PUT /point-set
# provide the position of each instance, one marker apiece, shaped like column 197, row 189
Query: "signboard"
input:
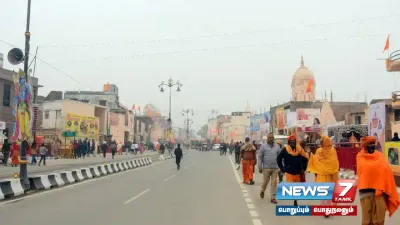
column 392, row 150
column 308, row 120
column 280, row 118
column 83, row 126
column 69, row 134
column 2, row 125
column 376, row 123
column 291, row 119
column 255, row 122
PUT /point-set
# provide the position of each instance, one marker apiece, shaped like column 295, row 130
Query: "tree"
column 203, row 131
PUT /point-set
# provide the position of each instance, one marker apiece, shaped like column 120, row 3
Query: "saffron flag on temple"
column 310, row 86
column 387, row 44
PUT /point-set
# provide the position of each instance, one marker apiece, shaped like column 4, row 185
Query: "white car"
column 216, row 146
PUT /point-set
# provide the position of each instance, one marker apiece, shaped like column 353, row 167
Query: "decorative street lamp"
column 188, row 121
column 170, row 83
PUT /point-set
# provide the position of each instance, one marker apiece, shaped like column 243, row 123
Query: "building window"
column 357, row 120
column 6, row 95
column 46, row 114
column 397, row 115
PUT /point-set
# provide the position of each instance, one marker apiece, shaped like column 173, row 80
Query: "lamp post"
column 188, row 120
column 170, row 83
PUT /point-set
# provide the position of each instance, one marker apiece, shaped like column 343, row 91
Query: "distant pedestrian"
column 237, row 155
column 104, row 149
column 268, row 166
column 15, row 154
column 34, row 152
column 178, row 156
column 113, row 148
column 6, row 151
column 396, row 137
column 249, row 160
column 42, row 151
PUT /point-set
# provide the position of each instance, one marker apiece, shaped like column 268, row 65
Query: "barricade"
column 10, row 188
column 40, row 182
column 77, row 175
column 86, row 173
column 67, row 177
column 56, row 180
column 94, row 171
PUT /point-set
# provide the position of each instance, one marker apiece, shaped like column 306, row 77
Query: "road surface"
column 205, row 191
column 56, row 165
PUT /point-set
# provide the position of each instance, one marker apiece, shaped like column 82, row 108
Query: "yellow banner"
column 83, row 126
column 280, row 118
column 392, row 155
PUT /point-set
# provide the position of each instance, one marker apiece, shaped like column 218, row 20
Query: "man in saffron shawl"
column 292, row 161
column 377, row 188
column 249, row 160
column 325, row 164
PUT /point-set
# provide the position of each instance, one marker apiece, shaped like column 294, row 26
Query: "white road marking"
column 137, row 196
column 236, row 174
column 250, row 206
column 76, row 184
column 254, row 213
column 257, row 222
column 169, row 177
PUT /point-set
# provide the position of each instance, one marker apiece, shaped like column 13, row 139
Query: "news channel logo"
column 343, row 191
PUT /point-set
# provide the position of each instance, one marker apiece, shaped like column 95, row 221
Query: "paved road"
column 53, row 165
column 205, row 191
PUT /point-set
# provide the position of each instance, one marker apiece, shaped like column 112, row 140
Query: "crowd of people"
column 377, row 188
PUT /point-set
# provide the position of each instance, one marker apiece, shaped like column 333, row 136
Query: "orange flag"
column 310, row 86
column 387, row 44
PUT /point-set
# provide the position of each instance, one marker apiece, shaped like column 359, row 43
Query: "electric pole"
column 187, row 112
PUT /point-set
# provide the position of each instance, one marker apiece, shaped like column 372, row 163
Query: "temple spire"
column 302, row 61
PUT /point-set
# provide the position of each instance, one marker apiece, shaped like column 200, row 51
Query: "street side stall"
column 347, row 141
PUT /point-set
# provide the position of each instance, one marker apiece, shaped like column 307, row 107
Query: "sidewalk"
column 57, row 165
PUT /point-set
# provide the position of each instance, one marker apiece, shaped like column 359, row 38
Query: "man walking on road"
column 178, row 156
column 268, row 166
column 237, row 155
column 104, row 149
column 249, row 160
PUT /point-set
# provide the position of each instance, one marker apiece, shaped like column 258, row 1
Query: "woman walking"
column 33, row 152
column 15, row 154
column 42, row 151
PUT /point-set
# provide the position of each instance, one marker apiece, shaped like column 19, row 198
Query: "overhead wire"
column 214, row 49
column 254, row 32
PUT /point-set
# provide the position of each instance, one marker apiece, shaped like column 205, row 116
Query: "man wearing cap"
column 249, row 160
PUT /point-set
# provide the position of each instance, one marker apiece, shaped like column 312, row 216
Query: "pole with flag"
column 387, row 45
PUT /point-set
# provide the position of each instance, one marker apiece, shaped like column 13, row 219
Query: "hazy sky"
column 224, row 52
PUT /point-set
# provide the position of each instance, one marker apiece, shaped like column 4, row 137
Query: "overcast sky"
column 224, row 52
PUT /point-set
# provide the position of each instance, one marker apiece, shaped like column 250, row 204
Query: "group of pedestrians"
column 12, row 150
column 377, row 188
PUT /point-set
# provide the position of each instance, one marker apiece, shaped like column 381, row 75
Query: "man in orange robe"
column 249, row 160
column 376, row 185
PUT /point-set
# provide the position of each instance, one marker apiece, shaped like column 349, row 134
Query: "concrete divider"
column 40, row 182
column 56, row 180
column 67, row 177
column 11, row 188
column 77, row 175
column 95, row 171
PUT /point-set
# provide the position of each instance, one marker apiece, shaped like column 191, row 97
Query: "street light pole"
column 170, row 83
column 187, row 112
column 23, row 168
